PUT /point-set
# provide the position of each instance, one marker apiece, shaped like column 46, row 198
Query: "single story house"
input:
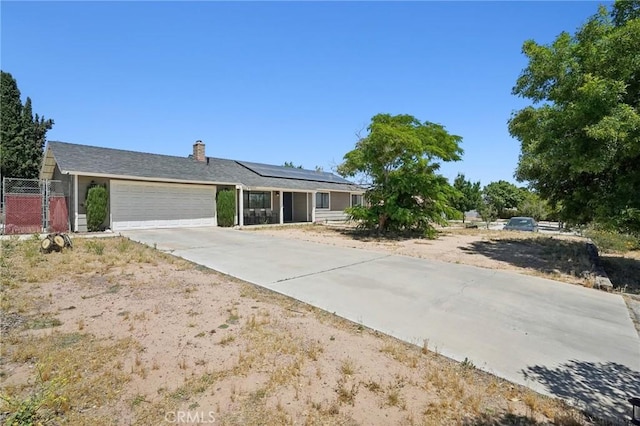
column 155, row 191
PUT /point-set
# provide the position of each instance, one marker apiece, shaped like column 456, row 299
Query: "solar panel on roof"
column 267, row 170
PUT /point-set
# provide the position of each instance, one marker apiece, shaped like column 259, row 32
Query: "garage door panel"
column 139, row 205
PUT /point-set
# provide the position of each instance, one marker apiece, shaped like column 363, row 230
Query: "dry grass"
column 547, row 256
column 275, row 361
column 76, row 377
column 559, row 257
column 623, row 270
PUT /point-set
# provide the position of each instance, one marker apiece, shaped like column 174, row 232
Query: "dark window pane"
column 257, row 200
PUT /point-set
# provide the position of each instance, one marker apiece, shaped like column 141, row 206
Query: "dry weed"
column 59, row 359
column 267, row 343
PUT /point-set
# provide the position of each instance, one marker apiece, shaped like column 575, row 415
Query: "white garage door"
column 140, row 205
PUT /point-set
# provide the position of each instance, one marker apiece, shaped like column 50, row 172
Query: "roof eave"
column 48, row 166
column 145, row 178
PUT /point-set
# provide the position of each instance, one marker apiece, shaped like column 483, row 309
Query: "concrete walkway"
column 559, row 339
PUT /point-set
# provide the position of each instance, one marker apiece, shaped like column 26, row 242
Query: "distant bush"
column 612, row 241
column 535, row 207
column 226, row 208
column 96, row 204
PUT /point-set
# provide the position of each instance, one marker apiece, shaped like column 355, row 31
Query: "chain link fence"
column 56, row 207
column 33, row 205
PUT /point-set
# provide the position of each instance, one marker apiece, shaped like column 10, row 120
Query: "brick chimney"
column 198, row 151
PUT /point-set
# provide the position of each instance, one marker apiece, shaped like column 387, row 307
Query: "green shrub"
column 226, row 208
column 607, row 240
column 97, row 201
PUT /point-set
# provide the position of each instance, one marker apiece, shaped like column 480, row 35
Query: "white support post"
column 75, row 203
column 241, row 207
column 313, row 207
column 280, row 215
column 215, row 206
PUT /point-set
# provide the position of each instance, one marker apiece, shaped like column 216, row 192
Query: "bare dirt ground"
column 113, row 332
column 559, row 257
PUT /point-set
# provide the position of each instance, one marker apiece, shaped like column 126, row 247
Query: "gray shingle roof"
column 96, row 160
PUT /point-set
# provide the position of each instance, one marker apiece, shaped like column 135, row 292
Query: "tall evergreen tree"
column 22, row 136
column 10, row 122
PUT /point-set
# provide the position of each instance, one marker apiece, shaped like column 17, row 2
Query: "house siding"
column 323, row 215
column 338, row 201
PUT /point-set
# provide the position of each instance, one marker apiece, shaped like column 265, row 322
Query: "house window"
column 257, row 200
column 322, row 200
column 356, row 199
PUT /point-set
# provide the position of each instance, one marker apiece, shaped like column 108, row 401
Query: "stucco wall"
column 339, row 201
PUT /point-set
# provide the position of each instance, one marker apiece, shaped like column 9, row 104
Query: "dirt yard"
column 113, row 332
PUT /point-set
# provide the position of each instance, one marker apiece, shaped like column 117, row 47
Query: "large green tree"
column 398, row 160
column 503, row 195
column 580, row 140
column 22, row 134
column 534, row 206
column 469, row 196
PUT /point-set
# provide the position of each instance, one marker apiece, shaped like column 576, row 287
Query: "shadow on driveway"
column 590, row 384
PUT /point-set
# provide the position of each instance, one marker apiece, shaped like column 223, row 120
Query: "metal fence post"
column 45, row 205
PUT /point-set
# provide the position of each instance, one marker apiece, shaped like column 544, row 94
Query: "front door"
column 287, row 206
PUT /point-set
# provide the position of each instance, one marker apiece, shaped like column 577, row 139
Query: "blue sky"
column 278, row 81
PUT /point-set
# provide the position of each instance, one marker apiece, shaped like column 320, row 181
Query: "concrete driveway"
column 564, row 340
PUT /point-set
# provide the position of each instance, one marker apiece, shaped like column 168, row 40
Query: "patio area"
column 260, row 217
